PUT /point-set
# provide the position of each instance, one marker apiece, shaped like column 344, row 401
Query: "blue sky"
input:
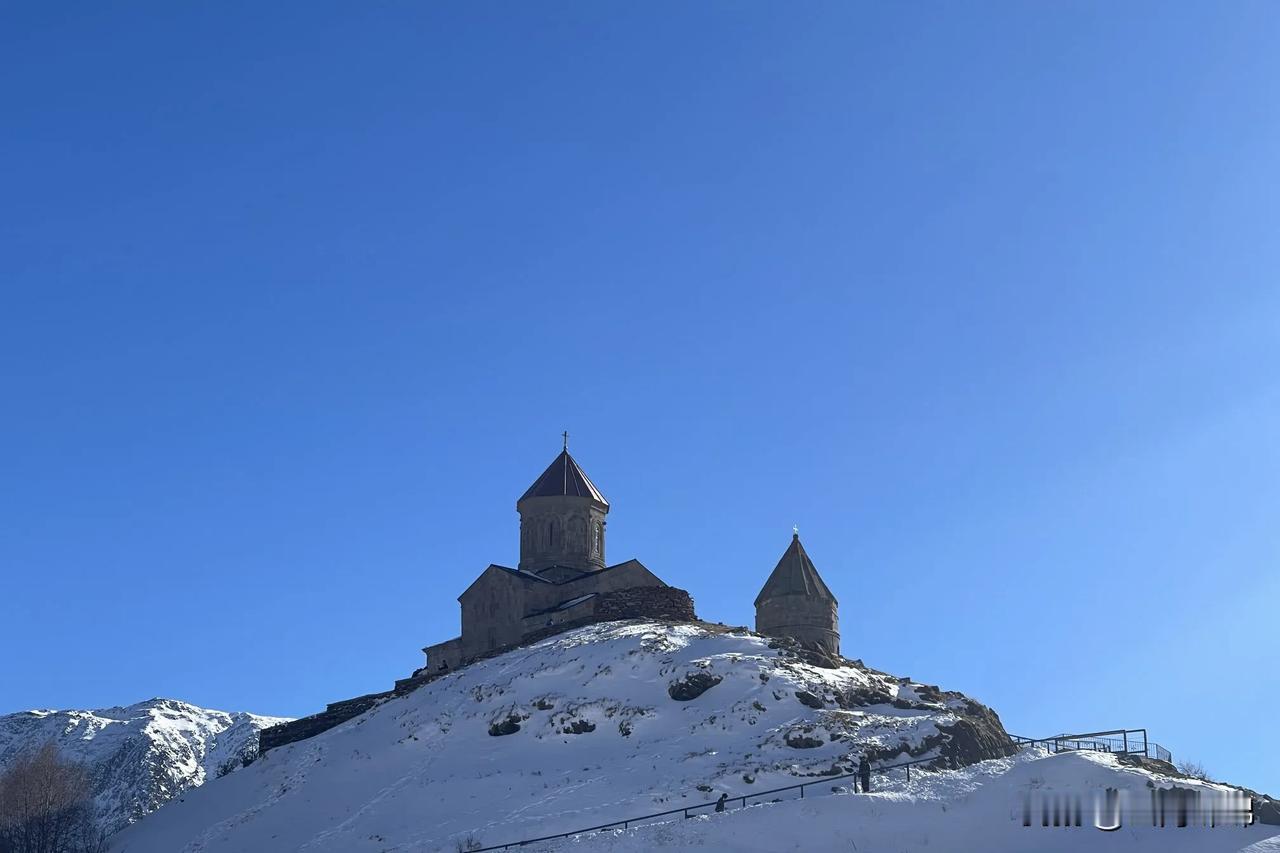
column 297, row 299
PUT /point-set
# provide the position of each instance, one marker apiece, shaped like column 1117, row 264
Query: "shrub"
column 1194, row 769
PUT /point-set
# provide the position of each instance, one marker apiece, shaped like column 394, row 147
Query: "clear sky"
column 297, row 299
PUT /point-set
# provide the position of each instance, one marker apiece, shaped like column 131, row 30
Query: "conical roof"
column 564, row 477
column 795, row 575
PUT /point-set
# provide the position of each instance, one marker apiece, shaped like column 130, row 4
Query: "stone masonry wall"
column 645, row 602
column 301, row 729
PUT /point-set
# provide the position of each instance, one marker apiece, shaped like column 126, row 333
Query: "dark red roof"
column 564, row 477
column 795, row 574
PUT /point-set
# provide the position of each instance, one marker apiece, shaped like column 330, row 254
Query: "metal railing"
column 1122, row 741
column 692, row 811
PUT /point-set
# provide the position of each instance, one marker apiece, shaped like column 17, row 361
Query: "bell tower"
column 562, row 519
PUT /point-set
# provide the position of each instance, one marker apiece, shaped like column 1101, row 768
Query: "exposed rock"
column 975, row 738
column 803, row 741
column 507, row 726
column 812, row 701
column 862, row 697
column 692, row 686
column 1265, row 809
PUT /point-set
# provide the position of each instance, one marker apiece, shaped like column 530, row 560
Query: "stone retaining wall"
column 335, row 714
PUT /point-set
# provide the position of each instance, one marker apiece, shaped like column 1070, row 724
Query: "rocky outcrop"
column 1266, row 809
column 692, row 686
column 508, row 725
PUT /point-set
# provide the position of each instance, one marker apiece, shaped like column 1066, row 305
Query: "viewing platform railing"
column 1122, row 741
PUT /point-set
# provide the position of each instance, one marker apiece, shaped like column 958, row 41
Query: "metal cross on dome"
column 565, row 434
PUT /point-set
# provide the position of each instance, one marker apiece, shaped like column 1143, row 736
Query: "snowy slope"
column 591, row 730
column 977, row 808
column 586, row 728
column 142, row 755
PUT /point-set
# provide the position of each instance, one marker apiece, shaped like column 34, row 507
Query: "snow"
column 600, row 739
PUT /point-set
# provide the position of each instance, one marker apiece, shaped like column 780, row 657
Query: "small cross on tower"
column 565, row 434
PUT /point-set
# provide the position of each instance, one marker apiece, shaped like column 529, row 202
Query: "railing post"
column 908, row 772
column 1125, row 735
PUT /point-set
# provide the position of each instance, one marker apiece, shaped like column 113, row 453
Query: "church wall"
column 492, row 609
column 448, row 653
column 560, row 574
column 495, row 608
column 623, row 576
column 577, row 614
column 626, row 575
column 643, row 602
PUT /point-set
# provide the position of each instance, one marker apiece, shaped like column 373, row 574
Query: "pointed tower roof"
column 795, row 574
column 564, row 477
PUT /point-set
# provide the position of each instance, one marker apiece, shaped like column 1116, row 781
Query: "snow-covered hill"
column 140, row 756
column 606, row 722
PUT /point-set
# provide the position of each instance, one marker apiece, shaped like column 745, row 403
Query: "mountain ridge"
column 138, row 756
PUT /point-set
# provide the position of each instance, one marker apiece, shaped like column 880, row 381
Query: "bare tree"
column 45, row 806
column 1194, row 769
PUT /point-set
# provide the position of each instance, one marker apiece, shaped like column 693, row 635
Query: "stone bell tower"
column 796, row 603
column 562, row 520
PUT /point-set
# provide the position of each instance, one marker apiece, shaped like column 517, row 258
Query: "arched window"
column 551, row 534
column 598, row 546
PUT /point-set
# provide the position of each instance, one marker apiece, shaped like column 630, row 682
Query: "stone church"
column 564, row 580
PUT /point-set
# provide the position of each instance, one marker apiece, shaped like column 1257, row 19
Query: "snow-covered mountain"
column 623, row 719
column 140, row 756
